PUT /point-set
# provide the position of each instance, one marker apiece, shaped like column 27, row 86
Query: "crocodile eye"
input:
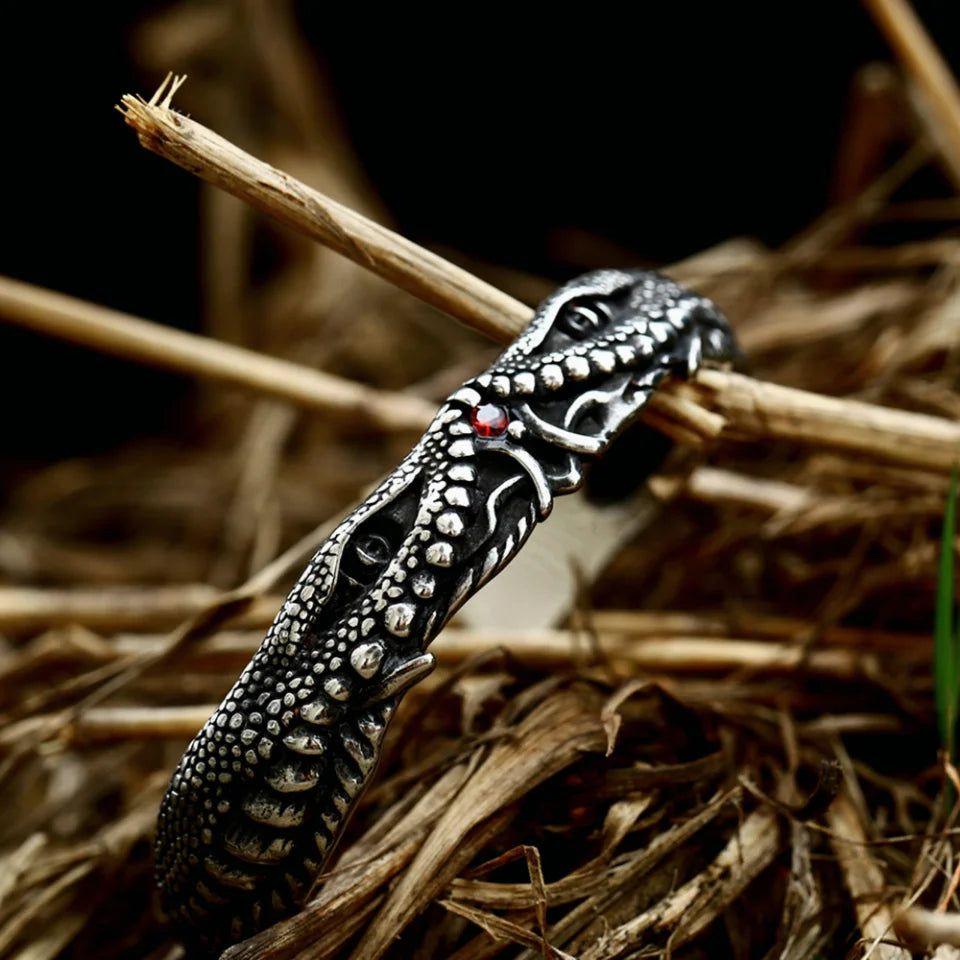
column 582, row 320
column 373, row 550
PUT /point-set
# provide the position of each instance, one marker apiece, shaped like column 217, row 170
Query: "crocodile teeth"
column 606, row 362
column 524, row 383
column 552, row 376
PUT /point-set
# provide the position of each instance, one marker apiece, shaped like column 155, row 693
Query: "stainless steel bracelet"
column 261, row 796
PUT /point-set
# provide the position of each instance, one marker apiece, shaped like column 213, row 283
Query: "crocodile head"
column 587, row 364
column 262, row 794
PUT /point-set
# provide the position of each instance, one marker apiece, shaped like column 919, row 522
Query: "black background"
column 663, row 127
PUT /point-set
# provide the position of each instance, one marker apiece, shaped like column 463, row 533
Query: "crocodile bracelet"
column 261, row 796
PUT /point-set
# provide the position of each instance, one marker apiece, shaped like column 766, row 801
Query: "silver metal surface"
column 260, row 798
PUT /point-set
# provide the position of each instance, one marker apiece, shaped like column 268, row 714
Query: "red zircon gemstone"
column 489, row 420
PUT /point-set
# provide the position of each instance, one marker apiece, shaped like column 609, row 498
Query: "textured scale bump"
column 260, row 798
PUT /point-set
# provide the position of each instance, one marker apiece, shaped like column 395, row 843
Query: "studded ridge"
column 260, row 798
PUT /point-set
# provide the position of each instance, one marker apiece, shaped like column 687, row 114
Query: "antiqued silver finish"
column 261, row 795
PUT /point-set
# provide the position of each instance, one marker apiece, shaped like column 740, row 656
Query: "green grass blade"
column 945, row 653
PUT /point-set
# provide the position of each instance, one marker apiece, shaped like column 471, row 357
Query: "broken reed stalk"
column 462, row 810
column 123, row 335
column 650, row 879
column 690, row 909
column 719, row 403
column 864, row 879
column 929, row 71
column 555, row 734
column 427, row 276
